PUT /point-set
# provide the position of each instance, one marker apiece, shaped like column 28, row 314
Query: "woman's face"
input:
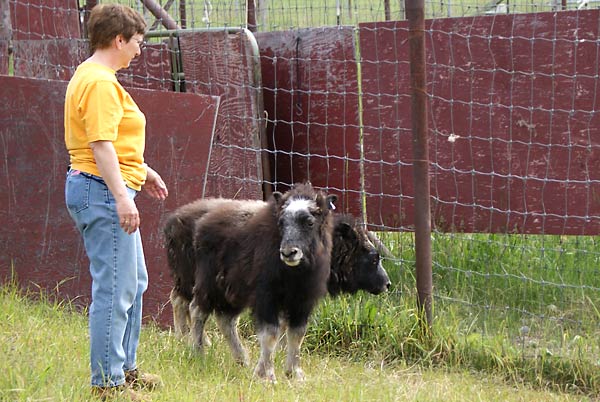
column 131, row 49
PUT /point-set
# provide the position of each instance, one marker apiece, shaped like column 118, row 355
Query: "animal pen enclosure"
column 280, row 92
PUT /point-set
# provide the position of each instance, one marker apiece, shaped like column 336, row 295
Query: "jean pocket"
column 77, row 192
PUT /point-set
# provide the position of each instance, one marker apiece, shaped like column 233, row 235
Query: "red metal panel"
column 514, row 128
column 39, row 240
column 45, row 19
column 54, row 59
column 151, row 70
column 221, row 64
column 310, row 93
column 386, row 118
column 58, row 58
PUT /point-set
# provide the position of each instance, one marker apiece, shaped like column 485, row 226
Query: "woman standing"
column 105, row 137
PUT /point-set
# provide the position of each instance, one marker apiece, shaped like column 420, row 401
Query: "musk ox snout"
column 383, row 280
column 291, row 256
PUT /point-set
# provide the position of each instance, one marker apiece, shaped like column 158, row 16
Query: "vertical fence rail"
column 5, row 37
column 415, row 13
column 5, row 24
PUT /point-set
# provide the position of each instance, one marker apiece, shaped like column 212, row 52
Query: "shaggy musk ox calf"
column 355, row 260
column 274, row 259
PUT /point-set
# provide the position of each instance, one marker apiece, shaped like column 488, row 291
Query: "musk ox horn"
column 379, row 245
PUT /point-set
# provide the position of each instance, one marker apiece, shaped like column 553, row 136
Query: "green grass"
column 523, row 307
column 515, row 318
column 43, row 344
column 516, row 313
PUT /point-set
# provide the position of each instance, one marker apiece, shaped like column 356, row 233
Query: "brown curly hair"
column 109, row 20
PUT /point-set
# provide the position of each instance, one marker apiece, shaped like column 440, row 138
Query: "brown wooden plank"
column 39, row 240
column 310, row 92
column 220, row 64
column 526, row 155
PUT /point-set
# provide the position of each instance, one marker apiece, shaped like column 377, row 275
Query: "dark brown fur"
column 273, row 260
column 355, row 260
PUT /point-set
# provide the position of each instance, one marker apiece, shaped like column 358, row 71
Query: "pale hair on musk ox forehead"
column 299, row 204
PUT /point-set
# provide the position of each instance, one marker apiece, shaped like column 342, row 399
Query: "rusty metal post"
column 5, row 24
column 182, row 14
column 86, row 9
column 251, row 16
column 415, row 13
column 160, row 13
column 386, row 8
column 5, row 38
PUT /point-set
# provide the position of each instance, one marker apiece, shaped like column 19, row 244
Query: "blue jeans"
column 119, row 277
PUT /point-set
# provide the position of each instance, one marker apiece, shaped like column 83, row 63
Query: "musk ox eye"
column 307, row 220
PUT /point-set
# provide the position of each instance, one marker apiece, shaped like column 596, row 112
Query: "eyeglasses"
column 141, row 43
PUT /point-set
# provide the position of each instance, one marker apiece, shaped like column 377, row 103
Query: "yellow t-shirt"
column 97, row 108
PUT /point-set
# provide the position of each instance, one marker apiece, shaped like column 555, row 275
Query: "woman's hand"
column 108, row 165
column 155, row 186
column 129, row 217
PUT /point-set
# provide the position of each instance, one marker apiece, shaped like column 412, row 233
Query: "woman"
column 105, row 137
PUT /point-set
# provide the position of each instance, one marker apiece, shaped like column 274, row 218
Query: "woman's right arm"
column 108, row 165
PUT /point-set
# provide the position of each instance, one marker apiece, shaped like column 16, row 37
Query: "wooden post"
column 386, row 8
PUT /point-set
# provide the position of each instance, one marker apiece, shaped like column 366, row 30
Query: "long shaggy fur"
column 273, row 258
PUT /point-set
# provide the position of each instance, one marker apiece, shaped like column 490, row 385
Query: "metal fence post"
column 415, row 13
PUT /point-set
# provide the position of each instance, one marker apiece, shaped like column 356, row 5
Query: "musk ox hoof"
column 199, row 349
column 206, row 340
column 265, row 374
column 296, row 374
column 243, row 361
column 199, row 346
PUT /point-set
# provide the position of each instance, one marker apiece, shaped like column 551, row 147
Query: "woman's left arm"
column 155, row 186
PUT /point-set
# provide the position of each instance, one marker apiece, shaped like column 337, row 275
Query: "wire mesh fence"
column 272, row 15
column 514, row 134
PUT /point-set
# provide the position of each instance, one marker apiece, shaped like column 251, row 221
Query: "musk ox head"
column 355, row 260
column 304, row 222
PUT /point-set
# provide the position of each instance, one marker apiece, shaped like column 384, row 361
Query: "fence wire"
column 514, row 125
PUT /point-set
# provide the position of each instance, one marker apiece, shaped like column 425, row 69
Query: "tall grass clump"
column 36, row 350
column 522, row 307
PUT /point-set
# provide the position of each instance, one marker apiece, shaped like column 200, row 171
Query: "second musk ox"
column 274, row 260
column 355, row 260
